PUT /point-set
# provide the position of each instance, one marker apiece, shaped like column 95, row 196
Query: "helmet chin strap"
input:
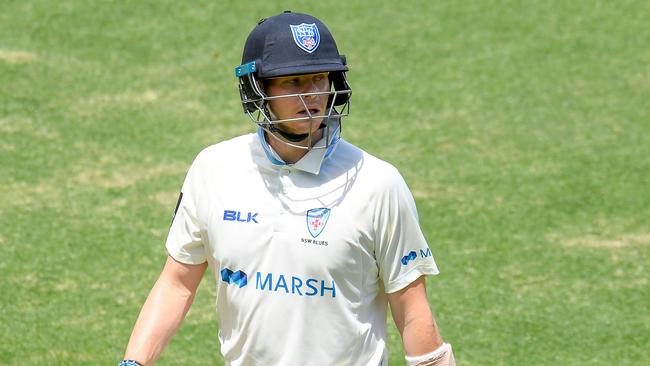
column 293, row 137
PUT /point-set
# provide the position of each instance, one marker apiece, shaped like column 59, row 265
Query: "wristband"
column 129, row 363
column 442, row 356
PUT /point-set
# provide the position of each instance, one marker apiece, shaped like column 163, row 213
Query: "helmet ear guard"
column 252, row 97
column 340, row 84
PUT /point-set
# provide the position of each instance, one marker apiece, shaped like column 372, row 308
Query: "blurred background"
column 522, row 128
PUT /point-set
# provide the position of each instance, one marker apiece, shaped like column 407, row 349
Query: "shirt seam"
column 422, row 268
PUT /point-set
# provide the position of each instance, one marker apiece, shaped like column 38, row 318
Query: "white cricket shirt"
column 302, row 261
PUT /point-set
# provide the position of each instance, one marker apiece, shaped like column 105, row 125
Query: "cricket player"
column 309, row 238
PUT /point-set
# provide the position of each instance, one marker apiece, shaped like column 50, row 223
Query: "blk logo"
column 238, row 278
column 409, row 257
column 229, row 215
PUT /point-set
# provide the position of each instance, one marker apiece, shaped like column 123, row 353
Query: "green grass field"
column 522, row 128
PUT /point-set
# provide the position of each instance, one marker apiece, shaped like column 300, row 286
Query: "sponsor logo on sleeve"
column 409, row 257
column 412, row 255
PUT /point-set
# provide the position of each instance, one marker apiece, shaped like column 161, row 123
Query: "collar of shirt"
column 312, row 161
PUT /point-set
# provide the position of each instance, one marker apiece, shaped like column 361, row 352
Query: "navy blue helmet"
column 291, row 44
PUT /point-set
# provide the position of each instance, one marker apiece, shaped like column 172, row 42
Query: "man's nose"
column 310, row 86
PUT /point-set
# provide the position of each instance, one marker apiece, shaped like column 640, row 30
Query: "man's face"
column 293, row 107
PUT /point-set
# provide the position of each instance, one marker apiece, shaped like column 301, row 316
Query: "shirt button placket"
column 284, row 178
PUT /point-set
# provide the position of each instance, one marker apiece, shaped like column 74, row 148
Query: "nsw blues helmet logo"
column 306, row 36
column 316, row 220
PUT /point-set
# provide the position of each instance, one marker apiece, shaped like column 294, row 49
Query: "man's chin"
column 301, row 127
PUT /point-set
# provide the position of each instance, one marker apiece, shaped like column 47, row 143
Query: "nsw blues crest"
column 306, row 36
column 316, row 220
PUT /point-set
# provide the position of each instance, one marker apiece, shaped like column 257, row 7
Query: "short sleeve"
column 185, row 240
column 401, row 250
